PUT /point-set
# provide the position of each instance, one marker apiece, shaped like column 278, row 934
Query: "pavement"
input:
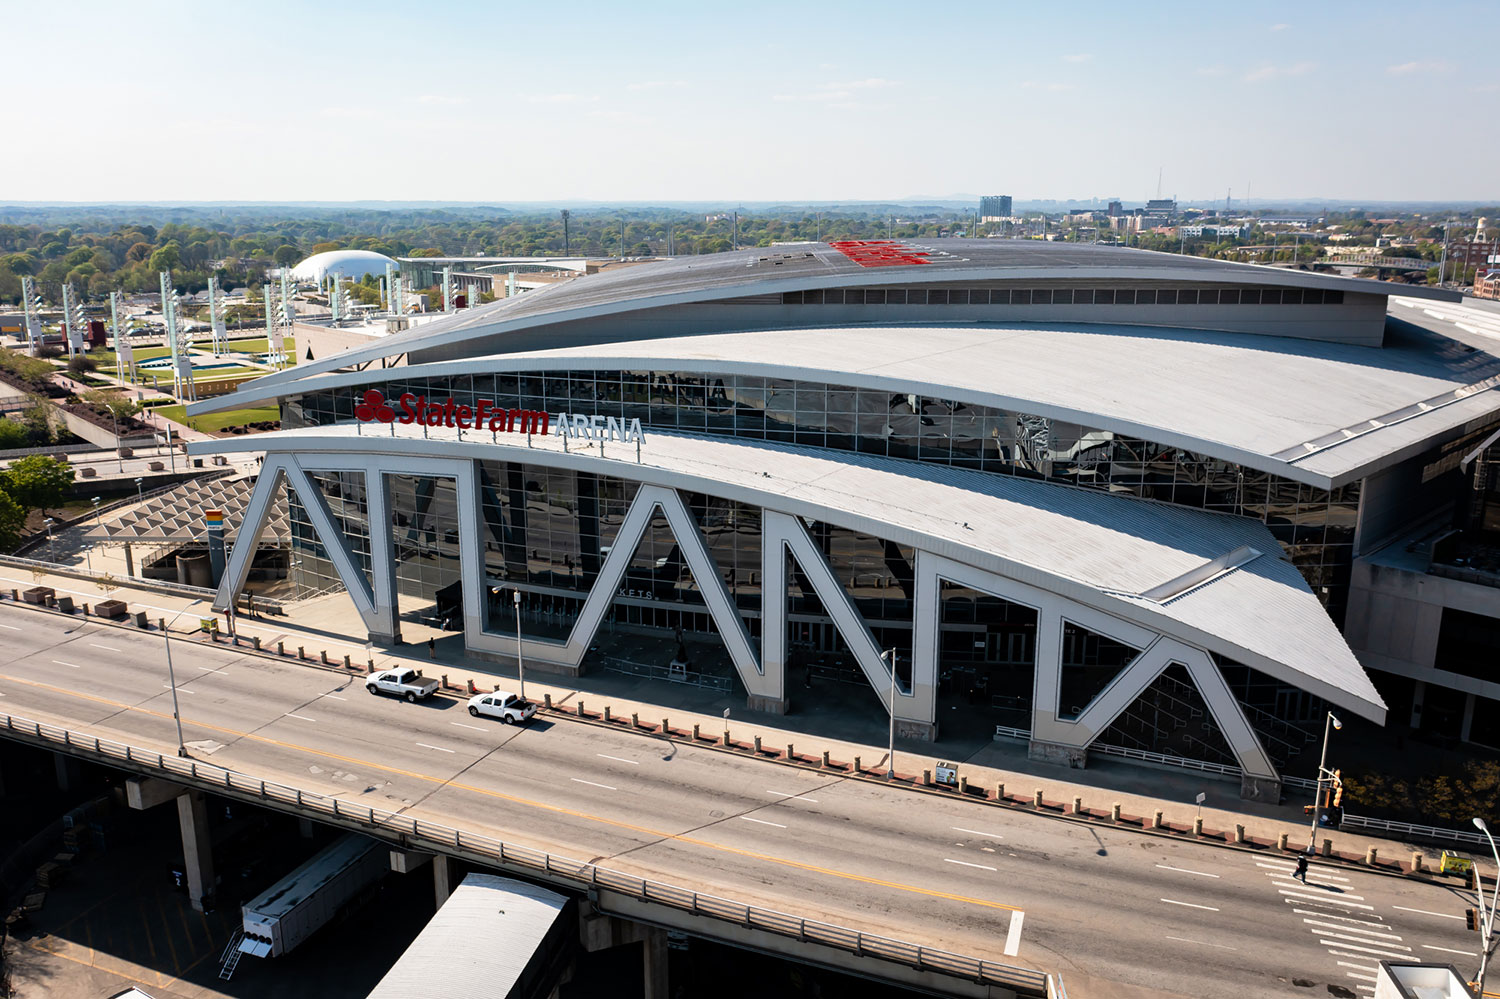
column 1112, row 907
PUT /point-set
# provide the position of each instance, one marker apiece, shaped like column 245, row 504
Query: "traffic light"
column 1338, row 789
column 1471, row 919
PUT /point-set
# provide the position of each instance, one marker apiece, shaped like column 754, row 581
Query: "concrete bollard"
column 13, row 594
column 472, row 691
column 696, row 734
column 1156, row 819
column 370, row 666
column 547, row 701
column 1000, row 791
column 496, row 688
column 580, row 709
column 1239, row 834
column 926, row 777
column 161, row 623
column 1371, row 856
column 348, row 666
column 1114, row 812
column 445, row 682
column 323, row 655
column 606, row 712
column 757, row 744
column 726, row 737
column 300, row 654
column 1281, row 841
column 1197, row 825
column 635, row 720
column 85, row 610
column 1077, row 806
column 963, row 785
column 825, row 759
column 1416, row 861
column 1036, row 800
column 665, row 728
column 280, row 648
column 791, row 753
column 1327, row 850
column 255, row 642
column 855, row 768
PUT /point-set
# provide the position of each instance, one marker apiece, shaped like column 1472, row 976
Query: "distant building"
column 994, row 208
column 1162, row 208
column 1221, row 231
column 1115, row 210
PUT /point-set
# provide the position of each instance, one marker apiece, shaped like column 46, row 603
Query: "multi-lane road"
column 1106, row 908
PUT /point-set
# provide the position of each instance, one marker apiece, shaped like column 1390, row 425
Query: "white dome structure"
column 352, row 264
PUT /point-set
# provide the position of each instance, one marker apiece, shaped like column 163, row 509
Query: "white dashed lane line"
column 792, row 797
column 619, row 759
column 1190, row 905
column 61, row 663
column 965, row 863
column 300, row 717
column 590, row 783
column 476, row 728
column 108, row 648
column 1440, row 915
column 1202, row 943
column 1450, row 950
column 438, row 748
column 1184, row 870
column 976, row 832
column 762, row 822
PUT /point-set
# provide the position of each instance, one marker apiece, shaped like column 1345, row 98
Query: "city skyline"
column 340, row 103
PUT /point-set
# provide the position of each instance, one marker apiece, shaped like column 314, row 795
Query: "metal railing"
column 581, row 875
column 1005, row 731
column 1410, row 830
column 1165, row 760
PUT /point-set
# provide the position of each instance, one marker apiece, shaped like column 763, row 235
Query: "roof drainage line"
column 1292, row 455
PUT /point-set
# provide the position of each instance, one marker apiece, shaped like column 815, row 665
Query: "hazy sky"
column 748, row 101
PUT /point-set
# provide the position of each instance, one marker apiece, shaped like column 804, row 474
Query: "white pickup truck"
column 402, row 682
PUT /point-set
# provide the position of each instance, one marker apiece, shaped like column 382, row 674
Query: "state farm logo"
column 374, row 408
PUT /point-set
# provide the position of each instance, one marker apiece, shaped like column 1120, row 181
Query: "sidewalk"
column 844, row 732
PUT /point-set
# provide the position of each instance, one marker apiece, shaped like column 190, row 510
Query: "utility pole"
column 734, row 239
column 567, row 245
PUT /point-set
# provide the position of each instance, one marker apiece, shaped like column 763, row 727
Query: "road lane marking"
column 1367, row 950
column 336, row 697
column 1440, row 915
column 1351, row 964
column 1363, row 978
column 9, row 627
column 762, row 822
column 1450, row 950
column 110, row 648
column 976, row 832
column 1363, row 940
column 965, row 863
column 61, row 663
column 798, row 797
column 1203, row 943
column 1190, row 905
column 477, row 728
column 579, row 780
column 1340, row 918
column 1327, row 899
column 1289, row 883
column 1319, row 871
column 619, row 759
column 438, row 748
column 180, row 688
column 1013, row 935
column 299, row 717
column 1184, row 870
column 539, row 805
column 1373, row 933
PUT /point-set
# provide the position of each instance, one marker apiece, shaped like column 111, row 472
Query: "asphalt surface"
column 1107, row 908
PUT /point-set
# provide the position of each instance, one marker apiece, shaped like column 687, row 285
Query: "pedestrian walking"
column 431, row 648
column 1301, row 872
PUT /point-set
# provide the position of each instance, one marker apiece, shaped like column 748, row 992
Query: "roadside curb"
column 840, row 769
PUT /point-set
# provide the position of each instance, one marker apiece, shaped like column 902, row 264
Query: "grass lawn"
column 218, row 421
column 261, row 346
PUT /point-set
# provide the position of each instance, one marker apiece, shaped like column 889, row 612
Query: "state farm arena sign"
column 423, row 411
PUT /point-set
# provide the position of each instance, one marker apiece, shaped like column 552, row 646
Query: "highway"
column 1107, row 908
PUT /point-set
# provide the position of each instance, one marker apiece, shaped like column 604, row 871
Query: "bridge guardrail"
column 413, row 831
column 1411, row 830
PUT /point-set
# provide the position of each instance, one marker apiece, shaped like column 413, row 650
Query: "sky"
column 766, row 101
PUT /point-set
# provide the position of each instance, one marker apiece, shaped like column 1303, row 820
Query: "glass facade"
column 343, row 495
column 1315, row 526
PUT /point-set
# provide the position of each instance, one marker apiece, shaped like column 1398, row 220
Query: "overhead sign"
column 486, row 414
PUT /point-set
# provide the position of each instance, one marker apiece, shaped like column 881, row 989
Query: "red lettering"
column 434, row 414
column 463, row 415
column 448, row 408
column 408, row 410
column 540, row 422
column 516, row 421
column 480, row 412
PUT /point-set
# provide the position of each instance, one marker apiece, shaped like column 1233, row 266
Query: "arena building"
column 1080, row 489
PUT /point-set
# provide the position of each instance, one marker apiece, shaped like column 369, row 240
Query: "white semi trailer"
column 283, row 916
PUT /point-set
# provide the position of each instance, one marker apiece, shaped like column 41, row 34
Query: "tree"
column 286, row 255
column 13, row 435
column 166, row 258
column 12, row 520
column 80, row 364
column 38, row 482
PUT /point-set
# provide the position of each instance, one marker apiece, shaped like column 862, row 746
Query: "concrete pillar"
column 305, row 827
column 197, row 846
column 129, row 562
column 1418, row 693
column 1056, row 752
column 654, row 959
column 66, row 768
column 1468, row 723
column 440, row 879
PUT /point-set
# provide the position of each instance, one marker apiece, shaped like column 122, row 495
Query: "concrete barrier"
column 1000, row 792
column 1281, row 841
column 580, row 709
column 606, row 712
column 348, row 666
column 1327, row 850
column 791, row 753
column 635, row 720
column 1416, row 861
column 825, row 759
column 757, row 743
column 1197, row 825
column 963, row 782
column 1077, row 806
column 1156, row 819
column 546, row 700
column 323, row 657
column 856, row 767
column 1372, row 856
column 1239, row 834
column 1036, row 800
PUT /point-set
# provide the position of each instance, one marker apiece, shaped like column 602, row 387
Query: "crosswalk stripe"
column 1351, row 964
column 1324, row 899
column 1321, row 872
column 1342, row 919
column 1371, row 934
column 1298, row 884
column 1366, row 950
column 1363, row 978
column 1363, row 940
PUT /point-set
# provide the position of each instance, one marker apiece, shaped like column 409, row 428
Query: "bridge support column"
column 1060, row 753
column 66, row 768
column 440, row 879
column 197, row 846
column 305, row 827
column 598, row 931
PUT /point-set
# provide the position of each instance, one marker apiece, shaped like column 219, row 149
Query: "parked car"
column 402, row 682
column 509, row 708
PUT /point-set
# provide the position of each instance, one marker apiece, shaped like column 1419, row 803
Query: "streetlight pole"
column 1486, row 925
column 1312, row 836
column 140, row 494
column 172, row 677
column 890, row 760
column 520, row 662
column 47, row 523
